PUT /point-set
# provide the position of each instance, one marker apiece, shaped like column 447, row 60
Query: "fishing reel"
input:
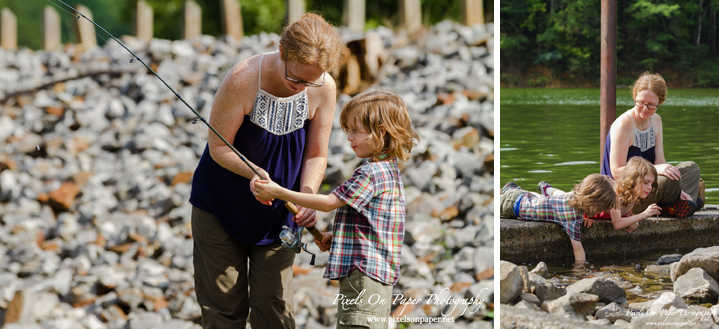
column 292, row 240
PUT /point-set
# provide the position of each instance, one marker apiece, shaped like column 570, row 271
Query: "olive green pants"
column 222, row 279
column 507, row 201
column 363, row 302
column 669, row 191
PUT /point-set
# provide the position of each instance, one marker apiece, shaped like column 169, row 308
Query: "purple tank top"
column 273, row 138
column 646, row 149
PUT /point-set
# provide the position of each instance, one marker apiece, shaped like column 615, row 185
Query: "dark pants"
column 222, row 279
column 669, row 191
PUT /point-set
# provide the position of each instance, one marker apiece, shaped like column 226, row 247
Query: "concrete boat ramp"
column 525, row 241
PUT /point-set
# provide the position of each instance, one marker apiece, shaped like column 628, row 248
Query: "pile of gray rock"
column 97, row 163
column 601, row 301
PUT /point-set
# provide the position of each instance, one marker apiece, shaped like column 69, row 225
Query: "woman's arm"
column 317, row 140
column 622, row 136
column 232, row 102
column 620, row 222
column 660, row 162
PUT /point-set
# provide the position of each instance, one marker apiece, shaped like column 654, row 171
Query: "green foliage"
column 565, row 35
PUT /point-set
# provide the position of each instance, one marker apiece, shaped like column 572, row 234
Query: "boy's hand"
column 264, row 190
column 305, row 217
column 266, row 202
column 588, row 222
column 326, row 241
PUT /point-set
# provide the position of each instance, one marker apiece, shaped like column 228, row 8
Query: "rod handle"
column 313, row 230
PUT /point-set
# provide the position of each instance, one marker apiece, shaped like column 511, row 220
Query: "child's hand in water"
column 632, row 227
column 652, row 210
column 326, row 241
column 265, row 189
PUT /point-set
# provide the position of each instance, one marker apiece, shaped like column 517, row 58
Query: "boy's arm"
column 268, row 190
column 319, row 202
column 579, row 255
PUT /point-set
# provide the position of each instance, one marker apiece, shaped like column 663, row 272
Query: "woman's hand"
column 326, row 241
column 588, row 222
column 668, row 171
column 686, row 196
column 305, row 217
column 632, row 227
column 652, row 210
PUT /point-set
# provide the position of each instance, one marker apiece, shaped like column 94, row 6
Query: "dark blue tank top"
column 273, row 138
column 648, row 154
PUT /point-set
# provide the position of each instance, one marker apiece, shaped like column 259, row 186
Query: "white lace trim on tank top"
column 644, row 139
column 279, row 115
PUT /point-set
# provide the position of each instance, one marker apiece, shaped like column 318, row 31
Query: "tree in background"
column 675, row 37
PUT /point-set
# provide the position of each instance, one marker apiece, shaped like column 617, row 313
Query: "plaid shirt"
column 552, row 209
column 369, row 229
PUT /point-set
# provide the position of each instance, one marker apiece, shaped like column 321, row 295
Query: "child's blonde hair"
column 633, row 176
column 386, row 108
column 593, row 195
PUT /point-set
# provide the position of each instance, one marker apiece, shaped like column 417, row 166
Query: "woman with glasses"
column 277, row 110
column 638, row 132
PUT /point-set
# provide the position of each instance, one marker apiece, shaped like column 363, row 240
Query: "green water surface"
column 553, row 134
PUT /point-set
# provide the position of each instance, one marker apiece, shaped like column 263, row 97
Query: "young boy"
column 590, row 197
column 369, row 225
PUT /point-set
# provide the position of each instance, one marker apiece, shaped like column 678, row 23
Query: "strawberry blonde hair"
column 386, row 108
column 311, row 40
column 652, row 82
column 633, row 176
column 593, row 195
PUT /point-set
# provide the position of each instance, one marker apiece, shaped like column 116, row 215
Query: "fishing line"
column 290, row 206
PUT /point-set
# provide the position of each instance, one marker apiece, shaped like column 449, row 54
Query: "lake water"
column 553, row 134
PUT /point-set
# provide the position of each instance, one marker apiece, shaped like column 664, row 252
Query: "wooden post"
column 50, row 29
column 143, row 21
column 85, row 30
column 410, row 15
column 193, row 20
column 472, row 12
column 608, row 68
column 295, row 10
column 354, row 15
column 232, row 19
column 8, row 30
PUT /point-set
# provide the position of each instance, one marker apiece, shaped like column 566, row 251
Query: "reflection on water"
column 553, row 134
column 627, row 270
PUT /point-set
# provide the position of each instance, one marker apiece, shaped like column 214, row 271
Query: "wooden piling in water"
column 410, row 15
column 8, row 30
column 85, row 31
column 353, row 16
column 608, row 93
column 295, row 10
column 50, row 29
column 472, row 12
column 143, row 21
column 193, row 20
column 232, row 19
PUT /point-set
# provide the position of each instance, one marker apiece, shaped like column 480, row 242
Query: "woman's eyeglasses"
column 647, row 105
column 308, row 84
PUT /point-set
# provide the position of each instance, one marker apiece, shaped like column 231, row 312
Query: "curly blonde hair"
column 652, row 82
column 311, row 40
column 386, row 108
column 634, row 172
column 593, row 195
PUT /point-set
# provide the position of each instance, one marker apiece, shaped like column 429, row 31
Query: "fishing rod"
column 291, row 238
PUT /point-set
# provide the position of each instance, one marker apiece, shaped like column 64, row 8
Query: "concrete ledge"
column 523, row 241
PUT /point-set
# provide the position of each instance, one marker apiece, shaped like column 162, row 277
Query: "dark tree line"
column 117, row 16
column 677, row 38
